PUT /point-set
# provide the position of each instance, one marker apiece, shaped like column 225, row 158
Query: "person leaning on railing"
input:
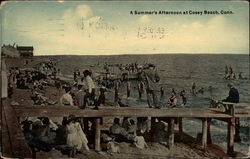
column 233, row 96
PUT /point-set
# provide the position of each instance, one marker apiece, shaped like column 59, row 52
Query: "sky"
column 109, row 28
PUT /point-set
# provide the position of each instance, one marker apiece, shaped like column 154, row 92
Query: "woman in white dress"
column 82, row 136
column 76, row 137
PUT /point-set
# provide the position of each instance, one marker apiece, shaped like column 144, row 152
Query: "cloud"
column 83, row 11
column 212, row 36
column 80, row 32
column 144, row 19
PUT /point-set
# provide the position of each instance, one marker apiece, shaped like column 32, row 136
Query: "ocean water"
column 179, row 71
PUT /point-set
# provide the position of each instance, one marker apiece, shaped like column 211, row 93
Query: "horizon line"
column 149, row 54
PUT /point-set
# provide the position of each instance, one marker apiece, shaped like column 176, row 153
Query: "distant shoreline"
column 240, row 54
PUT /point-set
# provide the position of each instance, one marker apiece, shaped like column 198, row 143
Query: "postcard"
column 125, row 79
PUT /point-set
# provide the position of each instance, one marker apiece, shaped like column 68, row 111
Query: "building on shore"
column 9, row 51
column 25, row 51
column 17, row 51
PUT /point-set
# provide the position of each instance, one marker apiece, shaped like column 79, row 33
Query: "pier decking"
column 58, row 111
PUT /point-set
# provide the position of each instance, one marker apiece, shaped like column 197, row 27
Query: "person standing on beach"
column 173, row 91
column 226, row 70
column 184, row 98
column 90, row 91
column 151, row 78
column 80, row 96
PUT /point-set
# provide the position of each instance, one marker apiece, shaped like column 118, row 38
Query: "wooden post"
column 209, row 139
column 139, row 90
column 128, row 89
column 230, row 136
column 116, row 92
column 162, row 92
column 152, row 129
column 237, row 130
column 171, row 133
column 152, row 123
column 231, row 109
column 97, row 135
column 204, row 133
column 180, row 128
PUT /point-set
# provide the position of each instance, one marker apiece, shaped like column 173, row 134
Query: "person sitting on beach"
column 172, row 101
column 117, row 131
column 184, row 98
column 46, row 134
column 142, row 125
column 29, row 130
column 201, row 90
column 125, row 123
column 241, row 77
column 120, row 103
column 66, row 98
column 21, row 84
column 132, row 128
column 90, row 91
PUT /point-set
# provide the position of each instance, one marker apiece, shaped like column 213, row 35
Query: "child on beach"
column 172, row 101
column 184, row 98
column 67, row 99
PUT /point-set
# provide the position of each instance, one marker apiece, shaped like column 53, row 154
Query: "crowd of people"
column 73, row 135
column 230, row 74
column 44, row 134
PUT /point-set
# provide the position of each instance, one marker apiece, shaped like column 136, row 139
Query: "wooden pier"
column 14, row 144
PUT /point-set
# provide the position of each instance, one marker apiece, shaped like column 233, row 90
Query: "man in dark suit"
column 233, row 96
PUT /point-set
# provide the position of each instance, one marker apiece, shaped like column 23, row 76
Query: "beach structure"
column 17, row 51
column 25, row 51
column 9, row 51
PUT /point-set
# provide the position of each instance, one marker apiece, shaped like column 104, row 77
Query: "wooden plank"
column 97, row 135
column 230, row 137
column 20, row 148
column 180, row 128
column 204, row 133
column 237, row 104
column 171, row 133
column 5, row 142
column 51, row 111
